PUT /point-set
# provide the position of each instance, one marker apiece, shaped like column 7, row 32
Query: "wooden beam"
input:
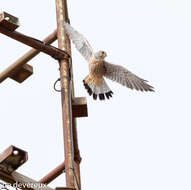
column 53, row 174
column 9, row 21
column 12, row 158
column 79, row 107
column 23, row 73
column 64, row 188
column 37, row 44
column 19, row 63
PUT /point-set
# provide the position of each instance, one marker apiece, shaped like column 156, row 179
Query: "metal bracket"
column 12, row 158
column 8, row 21
column 79, row 107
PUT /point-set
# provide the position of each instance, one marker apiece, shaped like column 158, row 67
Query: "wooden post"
column 66, row 93
column 72, row 107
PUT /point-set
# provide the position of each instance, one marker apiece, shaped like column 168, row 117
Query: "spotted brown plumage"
column 95, row 83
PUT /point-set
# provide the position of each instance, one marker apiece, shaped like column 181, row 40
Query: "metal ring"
column 63, row 76
column 55, row 85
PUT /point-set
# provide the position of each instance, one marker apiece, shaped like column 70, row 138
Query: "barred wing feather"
column 81, row 44
column 123, row 76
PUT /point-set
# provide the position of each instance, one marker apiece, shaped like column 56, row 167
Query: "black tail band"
column 101, row 96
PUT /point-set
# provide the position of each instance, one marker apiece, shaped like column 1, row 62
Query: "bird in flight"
column 99, row 69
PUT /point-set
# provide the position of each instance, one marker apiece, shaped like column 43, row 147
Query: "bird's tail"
column 97, row 88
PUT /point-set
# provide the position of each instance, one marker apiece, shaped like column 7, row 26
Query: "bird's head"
column 100, row 55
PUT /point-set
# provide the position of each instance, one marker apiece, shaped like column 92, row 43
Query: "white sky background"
column 134, row 141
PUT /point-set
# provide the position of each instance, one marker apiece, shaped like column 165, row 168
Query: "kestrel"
column 99, row 68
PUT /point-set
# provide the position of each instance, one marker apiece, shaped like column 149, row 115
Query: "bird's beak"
column 104, row 54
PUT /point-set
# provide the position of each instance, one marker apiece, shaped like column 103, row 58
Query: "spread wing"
column 123, row 76
column 79, row 41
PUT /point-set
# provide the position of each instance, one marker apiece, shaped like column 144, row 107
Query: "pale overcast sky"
column 135, row 141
